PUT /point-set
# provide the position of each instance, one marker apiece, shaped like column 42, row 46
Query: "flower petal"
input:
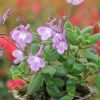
column 44, row 32
column 75, row 2
column 29, row 38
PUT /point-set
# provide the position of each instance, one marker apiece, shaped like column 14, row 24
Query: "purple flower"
column 18, row 56
column 75, row 2
column 60, row 42
column 59, row 39
column 36, row 61
column 5, row 15
column 22, row 36
column 45, row 31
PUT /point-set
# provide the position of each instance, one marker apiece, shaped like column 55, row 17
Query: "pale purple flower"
column 22, row 36
column 18, row 56
column 5, row 15
column 59, row 39
column 60, row 42
column 45, row 31
column 75, row 2
column 36, row 61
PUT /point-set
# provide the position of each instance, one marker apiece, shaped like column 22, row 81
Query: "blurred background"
column 37, row 12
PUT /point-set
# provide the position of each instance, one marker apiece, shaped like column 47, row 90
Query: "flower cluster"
column 57, row 34
column 22, row 36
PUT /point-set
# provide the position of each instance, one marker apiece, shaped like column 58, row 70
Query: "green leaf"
column 94, row 66
column 35, row 48
column 87, row 30
column 94, row 38
column 71, row 37
column 53, row 91
column 78, row 31
column 70, row 87
column 79, row 68
column 90, row 55
column 68, row 67
column 22, row 66
column 15, row 72
column 54, row 56
column 67, row 98
column 61, row 71
column 49, row 70
column 97, row 81
column 35, row 83
column 68, row 25
column 58, row 82
column 70, row 60
column 17, row 75
column 53, row 81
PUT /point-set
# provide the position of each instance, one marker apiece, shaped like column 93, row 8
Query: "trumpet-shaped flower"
column 46, row 31
column 59, row 39
column 22, row 36
column 60, row 42
column 36, row 61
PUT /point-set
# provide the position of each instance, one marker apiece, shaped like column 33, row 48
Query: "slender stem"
column 46, row 53
column 70, row 10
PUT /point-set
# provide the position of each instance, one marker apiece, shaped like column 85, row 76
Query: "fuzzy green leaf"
column 53, row 91
column 61, row 71
column 49, row 70
column 90, row 55
column 68, row 25
column 93, row 39
column 71, row 87
column 35, row 83
column 97, row 81
column 87, row 30
column 71, row 37
column 67, row 98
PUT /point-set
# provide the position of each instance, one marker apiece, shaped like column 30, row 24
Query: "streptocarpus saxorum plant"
column 59, row 62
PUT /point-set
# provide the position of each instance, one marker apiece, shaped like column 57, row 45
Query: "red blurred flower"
column 93, row 17
column 37, row 7
column 17, row 83
column 61, row 12
column 8, row 45
column 21, row 2
column 97, row 46
column 77, row 19
column 96, row 28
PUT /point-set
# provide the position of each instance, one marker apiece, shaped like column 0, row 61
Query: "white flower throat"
column 22, row 36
